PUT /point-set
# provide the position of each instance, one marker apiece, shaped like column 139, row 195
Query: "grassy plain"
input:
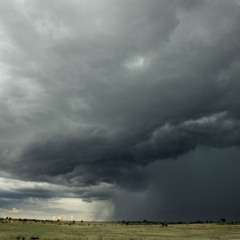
column 116, row 231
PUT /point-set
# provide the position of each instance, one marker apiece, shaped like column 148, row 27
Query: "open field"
column 116, row 231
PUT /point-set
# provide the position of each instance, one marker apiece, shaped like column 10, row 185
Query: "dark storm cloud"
column 95, row 159
column 26, row 193
column 97, row 93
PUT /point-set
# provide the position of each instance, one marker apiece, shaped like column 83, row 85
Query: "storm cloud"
column 105, row 99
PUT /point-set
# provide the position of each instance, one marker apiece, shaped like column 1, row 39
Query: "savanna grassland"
column 59, row 230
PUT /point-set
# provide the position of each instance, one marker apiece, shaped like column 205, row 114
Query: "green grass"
column 117, row 231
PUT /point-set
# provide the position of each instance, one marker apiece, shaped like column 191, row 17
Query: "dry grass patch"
column 117, row 231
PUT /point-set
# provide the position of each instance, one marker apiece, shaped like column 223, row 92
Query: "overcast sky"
column 120, row 109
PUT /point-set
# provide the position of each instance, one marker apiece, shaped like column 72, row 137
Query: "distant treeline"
column 165, row 223
column 27, row 220
column 143, row 222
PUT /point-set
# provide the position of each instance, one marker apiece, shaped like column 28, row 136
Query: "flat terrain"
column 116, row 231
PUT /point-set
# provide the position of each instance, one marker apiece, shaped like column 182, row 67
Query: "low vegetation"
column 31, row 229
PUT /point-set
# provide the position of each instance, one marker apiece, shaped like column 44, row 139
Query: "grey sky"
column 102, row 101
